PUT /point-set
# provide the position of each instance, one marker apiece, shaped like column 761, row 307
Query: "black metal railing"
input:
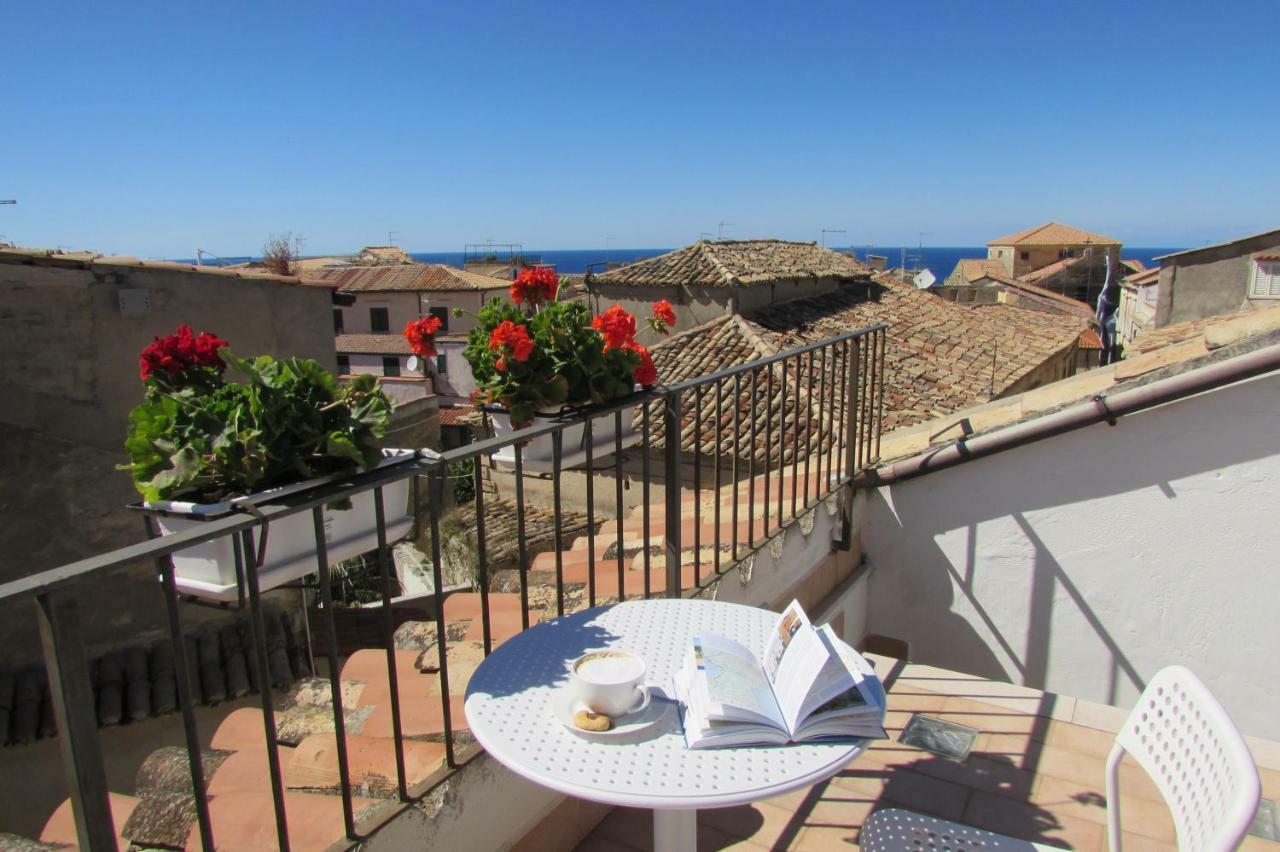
column 773, row 437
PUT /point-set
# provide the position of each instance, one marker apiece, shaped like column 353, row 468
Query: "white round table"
column 508, row 706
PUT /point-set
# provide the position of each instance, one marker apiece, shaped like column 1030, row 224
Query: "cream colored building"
column 1139, row 295
column 1038, row 247
column 384, row 299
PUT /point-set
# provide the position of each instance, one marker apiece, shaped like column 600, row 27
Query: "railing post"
column 852, row 352
column 671, row 448
column 73, row 708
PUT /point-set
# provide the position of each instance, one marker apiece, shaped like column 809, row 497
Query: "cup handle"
column 646, row 695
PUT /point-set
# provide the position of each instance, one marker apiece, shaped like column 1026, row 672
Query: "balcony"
column 343, row 725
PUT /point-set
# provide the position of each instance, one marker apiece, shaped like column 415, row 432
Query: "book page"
column 794, row 658
column 735, row 686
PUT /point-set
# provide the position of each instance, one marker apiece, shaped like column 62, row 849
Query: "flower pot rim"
column 210, row 511
column 568, row 409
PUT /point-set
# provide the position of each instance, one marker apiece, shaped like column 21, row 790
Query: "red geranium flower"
column 616, row 326
column 645, row 373
column 533, row 286
column 177, row 353
column 421, row 336
column 513, row 339
column 664, row 313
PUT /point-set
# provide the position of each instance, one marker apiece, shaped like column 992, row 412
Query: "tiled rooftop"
column 1250, row 319
column 730, row 263
column 940, row 356
column 1036, row 772
column 372, row 344
column 976, row 268
column 409, row 277
column 1053, row 234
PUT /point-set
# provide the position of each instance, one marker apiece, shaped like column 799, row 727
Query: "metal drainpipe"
column 1108, row 408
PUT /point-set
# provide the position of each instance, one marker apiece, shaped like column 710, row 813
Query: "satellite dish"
column 413, row 363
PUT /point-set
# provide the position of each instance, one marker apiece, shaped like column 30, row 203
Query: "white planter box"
column 536, row 455
column 209, row 570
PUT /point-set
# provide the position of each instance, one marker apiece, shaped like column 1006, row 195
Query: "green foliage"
column 462, row 475
column 289, row 421
column 568, row 366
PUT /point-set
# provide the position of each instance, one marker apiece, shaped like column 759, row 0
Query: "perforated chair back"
column 1186, row 742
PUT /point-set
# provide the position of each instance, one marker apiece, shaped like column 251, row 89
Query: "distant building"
column 1139, row 294
column 1219, row 279
column 715, row 278
column 1054, row 257
column 368, row 332
column 1043, row 245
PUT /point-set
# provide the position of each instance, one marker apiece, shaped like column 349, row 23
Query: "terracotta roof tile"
column 730, row 263
column 405, row 277
column 939, row 355
column 461, row 415
column 1157, row 338
column 976, row 268
column 1049, row 271
column 1146, row 276
column 371, row 344
column 1089, row 339
column 1053, row 234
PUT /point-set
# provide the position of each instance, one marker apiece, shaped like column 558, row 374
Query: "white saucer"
column 564, row 706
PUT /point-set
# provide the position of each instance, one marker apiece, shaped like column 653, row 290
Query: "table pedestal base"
column 675, row 831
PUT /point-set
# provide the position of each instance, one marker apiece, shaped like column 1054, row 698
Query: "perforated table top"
column 508, row 708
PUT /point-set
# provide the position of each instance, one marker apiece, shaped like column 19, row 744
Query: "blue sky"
column 156, row 129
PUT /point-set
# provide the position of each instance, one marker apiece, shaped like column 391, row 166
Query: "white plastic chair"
column 1178, row 733
column 1186, row 742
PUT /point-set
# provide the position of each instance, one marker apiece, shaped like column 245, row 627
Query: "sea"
column 940, row 260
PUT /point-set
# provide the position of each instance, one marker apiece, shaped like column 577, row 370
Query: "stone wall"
column 69, row 377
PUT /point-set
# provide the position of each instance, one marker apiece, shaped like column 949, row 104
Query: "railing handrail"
column 34, row 584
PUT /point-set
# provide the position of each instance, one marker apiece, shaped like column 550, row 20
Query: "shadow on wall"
column 1126, row 539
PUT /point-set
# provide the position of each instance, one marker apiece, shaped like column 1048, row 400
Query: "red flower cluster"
column 645, row 373
column 512, row 339
column 664, row 313
column 616, row 326
column 421, row 336
column 177, row 353
column 535, row 285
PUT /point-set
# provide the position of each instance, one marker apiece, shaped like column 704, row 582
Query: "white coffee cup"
column 609, row 682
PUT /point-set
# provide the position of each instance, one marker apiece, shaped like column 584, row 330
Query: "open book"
column 809, row 686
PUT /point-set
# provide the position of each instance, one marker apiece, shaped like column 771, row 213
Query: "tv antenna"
column 720, row 229
column 393, row 237
column 826, row 231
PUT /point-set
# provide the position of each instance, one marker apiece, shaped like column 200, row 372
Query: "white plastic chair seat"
column 897, row 829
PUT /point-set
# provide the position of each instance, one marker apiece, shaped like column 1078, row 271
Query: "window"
column 1266, row 280
column 442, row 364
column 390, row 366
column 337, row 320
column 344, row 365
column 441, row 314
column 379, row 320
column 1024, row 255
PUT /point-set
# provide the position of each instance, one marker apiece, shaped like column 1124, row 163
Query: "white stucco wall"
column 1083, row 563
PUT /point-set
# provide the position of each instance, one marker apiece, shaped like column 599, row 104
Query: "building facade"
column 383, row 299
column 1219, row 279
